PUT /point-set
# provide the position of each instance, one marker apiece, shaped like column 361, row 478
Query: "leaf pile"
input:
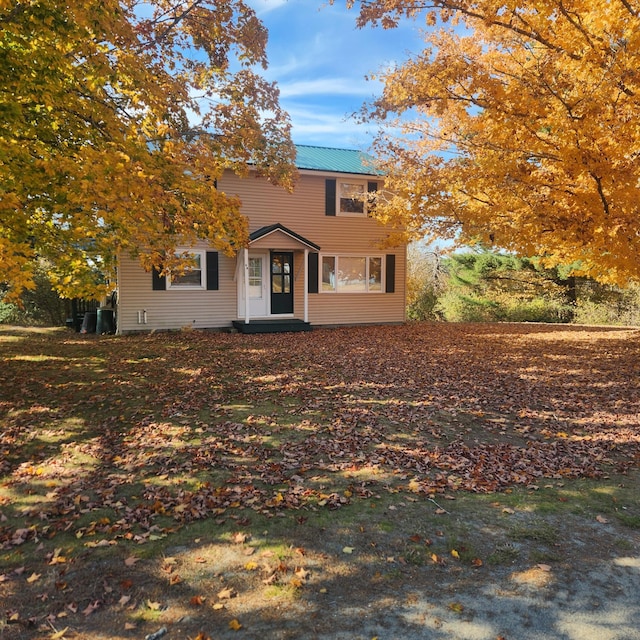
column 124, row 440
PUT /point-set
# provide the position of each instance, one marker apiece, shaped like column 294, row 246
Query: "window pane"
column 351, row 198
column 352, row 275
column 328, row 273
column 192, row 277
column 375, row 274
column 255, row 277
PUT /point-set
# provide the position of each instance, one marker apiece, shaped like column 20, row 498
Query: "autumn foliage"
column 519, row 128
column 117, row 118
column 116, row 452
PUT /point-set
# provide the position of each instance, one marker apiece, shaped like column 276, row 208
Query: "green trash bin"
column 105, row 322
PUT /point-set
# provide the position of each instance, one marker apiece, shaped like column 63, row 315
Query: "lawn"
column 341, row 483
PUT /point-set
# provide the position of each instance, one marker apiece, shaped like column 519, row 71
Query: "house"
column 314, row 259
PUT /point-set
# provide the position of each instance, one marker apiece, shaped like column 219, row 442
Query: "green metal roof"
column 337, row 160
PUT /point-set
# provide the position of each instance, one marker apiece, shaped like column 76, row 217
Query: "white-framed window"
column 193, row 277
column 351, row 274
column 351, row 198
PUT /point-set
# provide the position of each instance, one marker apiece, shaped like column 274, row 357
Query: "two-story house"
column 314, row 258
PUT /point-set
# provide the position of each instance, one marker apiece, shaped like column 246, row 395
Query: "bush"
column 40, row 306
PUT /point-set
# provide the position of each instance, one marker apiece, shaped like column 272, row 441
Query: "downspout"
column 306, row 285
column 246, row 285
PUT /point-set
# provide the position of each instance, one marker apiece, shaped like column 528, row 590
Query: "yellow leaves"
column 227, row 593
column 91, row 177
column 523, row 139
column 234, row 625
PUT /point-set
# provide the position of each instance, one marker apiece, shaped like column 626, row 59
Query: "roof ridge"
column 319, row 146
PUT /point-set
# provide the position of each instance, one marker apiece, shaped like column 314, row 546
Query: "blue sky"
column 319, row 60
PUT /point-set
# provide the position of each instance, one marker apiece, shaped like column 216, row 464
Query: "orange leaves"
column 106, row 173
column 535, row 139
column 234, row 625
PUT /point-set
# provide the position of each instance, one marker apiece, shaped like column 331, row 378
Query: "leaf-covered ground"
column 218, row 485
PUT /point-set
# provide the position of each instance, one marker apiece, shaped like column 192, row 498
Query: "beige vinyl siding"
column 174, row 308
column 302, row 212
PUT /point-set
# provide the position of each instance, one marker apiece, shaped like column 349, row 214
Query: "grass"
column 366, row 456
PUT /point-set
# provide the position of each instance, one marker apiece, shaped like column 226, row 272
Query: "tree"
column 116, row 119
column 425, row 282
column 519, row 127
column 487, row 286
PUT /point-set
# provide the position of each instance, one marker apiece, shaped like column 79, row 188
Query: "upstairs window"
column 351, row 198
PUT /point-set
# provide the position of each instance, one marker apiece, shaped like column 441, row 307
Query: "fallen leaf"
column 197, row 601
column 33, row 577
column 602, row 520
column 91, row 607
column 456, row 606
column 131, row 560
column 348, row 549
column 154, row 606
column 226, row 594
column 235, row 625
column 455, row 554
column 124, row 600
column 58, row 634
column 129, row 626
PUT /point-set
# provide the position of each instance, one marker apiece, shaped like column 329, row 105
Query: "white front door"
column 258, row 287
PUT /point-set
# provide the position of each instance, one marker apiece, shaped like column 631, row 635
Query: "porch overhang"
column 270, row 234
column 274, row 238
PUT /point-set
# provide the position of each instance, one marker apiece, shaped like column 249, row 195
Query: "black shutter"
column 390, row 273
column 313, row 272
column 158, row 282
column 330, row 197
column 213, row 279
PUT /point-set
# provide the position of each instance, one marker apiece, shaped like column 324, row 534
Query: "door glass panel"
column 287, row 284
column 276, row 264
column 255, row 277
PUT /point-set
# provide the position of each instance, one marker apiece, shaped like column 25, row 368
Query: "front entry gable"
column 277, row 235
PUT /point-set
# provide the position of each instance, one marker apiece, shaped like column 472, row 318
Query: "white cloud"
column 265, row 6
column 327, row 87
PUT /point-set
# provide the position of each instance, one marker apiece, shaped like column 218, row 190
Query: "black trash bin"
column 89, row 322
column 105, row 321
